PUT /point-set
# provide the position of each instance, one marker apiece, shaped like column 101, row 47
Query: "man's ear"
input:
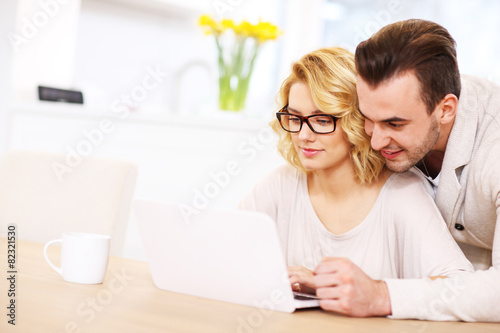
column 448, row 108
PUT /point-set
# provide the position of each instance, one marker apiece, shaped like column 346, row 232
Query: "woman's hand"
column 302, row 279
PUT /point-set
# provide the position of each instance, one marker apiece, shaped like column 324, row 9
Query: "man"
column 423, row 116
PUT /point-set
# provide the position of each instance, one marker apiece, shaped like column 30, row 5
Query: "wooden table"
column 128, row 301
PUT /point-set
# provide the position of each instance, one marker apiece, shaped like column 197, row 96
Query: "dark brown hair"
column 422, row 47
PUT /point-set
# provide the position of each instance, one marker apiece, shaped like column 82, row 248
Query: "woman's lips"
column 391, row 154
column 308, row 152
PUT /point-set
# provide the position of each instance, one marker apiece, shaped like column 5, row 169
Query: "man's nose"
column 379, row 138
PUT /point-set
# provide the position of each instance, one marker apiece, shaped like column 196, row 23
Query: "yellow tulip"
column 206, row 20
column 228, row 24
column 266, row 31
column 209, row 26
column 262, row 31
column 245, row 29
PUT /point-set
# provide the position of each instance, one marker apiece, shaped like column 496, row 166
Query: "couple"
column 356, row 228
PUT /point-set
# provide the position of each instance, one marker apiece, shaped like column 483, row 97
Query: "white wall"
column 7, row 26
column 45, row 49
column 473, row 24
column 303, row 33
column 116, row 44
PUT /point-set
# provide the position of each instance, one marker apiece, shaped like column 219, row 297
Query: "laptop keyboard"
column 303, row 296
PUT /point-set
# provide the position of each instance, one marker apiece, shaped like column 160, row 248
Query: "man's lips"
column 309, row 152
column 391, row 154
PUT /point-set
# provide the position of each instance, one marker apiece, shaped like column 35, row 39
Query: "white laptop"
column 233, row 256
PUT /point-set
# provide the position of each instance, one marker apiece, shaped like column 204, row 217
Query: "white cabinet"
column 199, row 161
column 169, row 7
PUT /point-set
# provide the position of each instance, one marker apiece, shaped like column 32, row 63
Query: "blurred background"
column 148, row 72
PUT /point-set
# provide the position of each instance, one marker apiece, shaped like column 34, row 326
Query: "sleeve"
column 467, row 297
column 424, row 244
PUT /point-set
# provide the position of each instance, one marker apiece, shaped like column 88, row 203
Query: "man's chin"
column 398, row 167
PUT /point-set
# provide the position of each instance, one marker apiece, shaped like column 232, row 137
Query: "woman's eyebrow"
column 296, row 111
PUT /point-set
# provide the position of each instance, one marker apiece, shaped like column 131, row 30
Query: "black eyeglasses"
column 318, row 123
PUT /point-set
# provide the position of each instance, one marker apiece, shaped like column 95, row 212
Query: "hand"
column 302, row 279
column 344, row 288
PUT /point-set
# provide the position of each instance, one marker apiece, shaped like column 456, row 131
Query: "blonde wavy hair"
column 330, row 74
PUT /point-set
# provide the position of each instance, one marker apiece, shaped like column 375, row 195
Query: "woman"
column 336, row 198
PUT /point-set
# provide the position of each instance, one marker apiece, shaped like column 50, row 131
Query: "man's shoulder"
column 480, row 95
column 478, row 82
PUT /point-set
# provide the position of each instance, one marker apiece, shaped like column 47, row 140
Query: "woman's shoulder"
column 277, row 186
column 284, row 174
column 408, row 190
column 406, row 186
column 405, row 180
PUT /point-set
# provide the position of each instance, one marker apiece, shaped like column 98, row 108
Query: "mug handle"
column 57, row 269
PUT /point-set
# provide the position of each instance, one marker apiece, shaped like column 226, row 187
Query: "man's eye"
column 393, row 125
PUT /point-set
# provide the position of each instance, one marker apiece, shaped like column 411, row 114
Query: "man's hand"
column 344, row 288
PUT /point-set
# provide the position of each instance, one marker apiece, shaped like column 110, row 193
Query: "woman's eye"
column 323, row 121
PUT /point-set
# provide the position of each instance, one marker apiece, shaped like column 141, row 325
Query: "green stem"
column 238, row 68
column 245, row 81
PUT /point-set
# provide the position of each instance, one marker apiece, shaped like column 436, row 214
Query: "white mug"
column 84, row 257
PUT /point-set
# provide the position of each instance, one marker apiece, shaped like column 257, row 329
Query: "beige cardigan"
column 468, row 197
